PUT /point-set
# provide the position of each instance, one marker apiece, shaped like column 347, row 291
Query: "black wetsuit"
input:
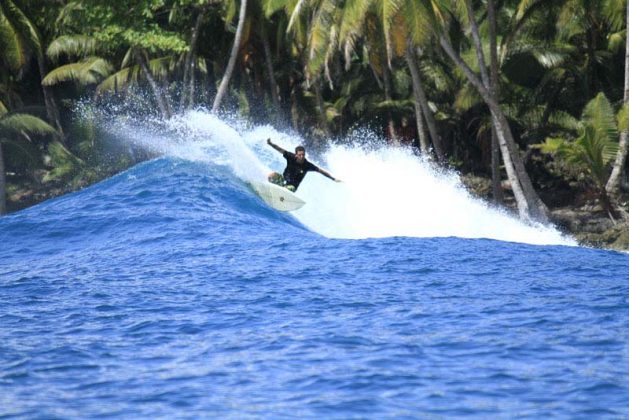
column 295, row 172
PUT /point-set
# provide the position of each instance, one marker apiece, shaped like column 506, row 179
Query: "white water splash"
column 385, row 192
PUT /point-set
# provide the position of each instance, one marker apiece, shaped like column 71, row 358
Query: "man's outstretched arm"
column 275, row 146
column 326, row 173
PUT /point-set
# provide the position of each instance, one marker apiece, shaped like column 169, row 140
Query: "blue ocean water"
column 171, row 290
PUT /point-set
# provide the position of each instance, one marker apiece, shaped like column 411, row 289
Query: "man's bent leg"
column 276, row 178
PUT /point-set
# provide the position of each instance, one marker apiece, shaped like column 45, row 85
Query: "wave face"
column 173, row 289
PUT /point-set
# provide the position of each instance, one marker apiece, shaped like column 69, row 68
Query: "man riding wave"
column 296, row 168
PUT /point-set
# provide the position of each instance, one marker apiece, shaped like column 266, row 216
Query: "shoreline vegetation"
column 528, row 100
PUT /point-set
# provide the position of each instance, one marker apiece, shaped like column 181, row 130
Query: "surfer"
column 296, row 167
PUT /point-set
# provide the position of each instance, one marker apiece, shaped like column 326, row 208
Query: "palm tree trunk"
column 162, row 101
column 495, row 90
column 269, row 69
column 3, row 185
column 614, row 181
column 222, row 89
column 52, row 111
column 421, row 132
column 530, row 207
column 496, row 184
column 422, row 101
column 386, row 81
column 323, row 120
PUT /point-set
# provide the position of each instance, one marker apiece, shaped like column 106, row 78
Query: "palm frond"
column 161, row 67
column 420, row 21
column 388, row 12
column 127, row 59
column 615, row 12
column 270, row 7
column 571, row 20
column 86, row 72
column 23, row 24
column 73, row 46
column 523, row 7
column 119, row 80
column 599, row 114
column 294, row 16
column 616, row 40
column 565, row 121
column 65, row 163
column 323, row 36
column 623, row 118
column 352, row 22
column 24, row 124
column 14, row 47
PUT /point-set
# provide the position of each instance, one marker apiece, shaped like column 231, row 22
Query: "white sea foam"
column 385, row 191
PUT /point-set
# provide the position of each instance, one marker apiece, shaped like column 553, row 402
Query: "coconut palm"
column 613, row 184
column 222, row 89
column 16, row 127
column 530, row 207
column 88, row 70
column 20, row 41
column 595, row 147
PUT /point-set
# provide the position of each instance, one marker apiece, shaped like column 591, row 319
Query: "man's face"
column 300, row 156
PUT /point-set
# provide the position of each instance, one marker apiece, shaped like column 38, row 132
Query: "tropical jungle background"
column 525, row 98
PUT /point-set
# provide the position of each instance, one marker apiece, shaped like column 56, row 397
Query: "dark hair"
column 300, row 149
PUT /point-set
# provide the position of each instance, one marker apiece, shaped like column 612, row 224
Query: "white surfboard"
column 277, row 197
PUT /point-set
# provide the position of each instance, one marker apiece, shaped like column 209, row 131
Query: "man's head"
column 300, row 154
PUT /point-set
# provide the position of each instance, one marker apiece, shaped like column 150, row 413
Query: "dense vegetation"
column 528, row 91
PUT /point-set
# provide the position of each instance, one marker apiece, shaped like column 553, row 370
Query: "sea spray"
column 385, row 191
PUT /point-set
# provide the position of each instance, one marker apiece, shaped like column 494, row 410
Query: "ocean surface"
column 171, row 290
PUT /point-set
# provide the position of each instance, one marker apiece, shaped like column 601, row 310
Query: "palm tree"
column 16, row 127
column 20, row 40
column 89, row 69
column 530, row 207
column 595, row 147
column 613, row 183
column 222, row 89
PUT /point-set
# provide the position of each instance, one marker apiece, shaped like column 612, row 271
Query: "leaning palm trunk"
column 496, row 184
column 495, row 90
column 530, row 207
column 222, row 89
column 3, row 188
column 422, row 102
column 51, row 106
column 162, row 101
column 613, row 183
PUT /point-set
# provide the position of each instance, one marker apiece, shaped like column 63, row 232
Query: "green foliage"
column 19, row 39
column 23, row 125
column 596, row 145
column 17, row 134
column 88, row 71
column 64, row 163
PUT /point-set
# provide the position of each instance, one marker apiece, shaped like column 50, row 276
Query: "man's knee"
column 276, row 178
